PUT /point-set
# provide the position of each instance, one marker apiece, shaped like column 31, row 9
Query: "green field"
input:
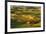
column 25, row 16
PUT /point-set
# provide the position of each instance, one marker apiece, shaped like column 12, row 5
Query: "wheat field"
column 25, row 16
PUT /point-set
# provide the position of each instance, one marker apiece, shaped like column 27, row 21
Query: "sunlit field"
column 25, row 16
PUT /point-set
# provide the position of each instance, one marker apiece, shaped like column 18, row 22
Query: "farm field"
column 25, row 16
